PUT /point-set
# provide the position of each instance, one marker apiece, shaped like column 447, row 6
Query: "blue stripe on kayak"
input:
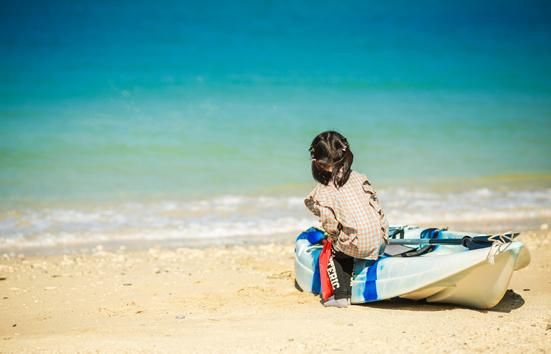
column 313, row 235
column 303, row 235
column 316, row 281
column 370, row 290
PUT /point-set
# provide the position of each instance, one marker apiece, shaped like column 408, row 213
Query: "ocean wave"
column 232, row 216
column 193, row 231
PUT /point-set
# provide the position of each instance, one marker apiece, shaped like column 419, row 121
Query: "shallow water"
column 110, row 113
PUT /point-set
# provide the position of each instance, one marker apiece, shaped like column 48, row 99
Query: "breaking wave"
column 234, row 216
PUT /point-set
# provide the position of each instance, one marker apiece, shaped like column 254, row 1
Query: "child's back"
column 356, row 208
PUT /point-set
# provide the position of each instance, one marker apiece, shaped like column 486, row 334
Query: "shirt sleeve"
column 322, row 207
column 328, row 221
column 312, row 205
column 375, row 204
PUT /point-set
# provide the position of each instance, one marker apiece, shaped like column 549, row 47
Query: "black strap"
column 397, row 233
column 430, row 233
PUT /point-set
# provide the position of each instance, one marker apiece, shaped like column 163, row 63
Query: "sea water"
column 135, row 120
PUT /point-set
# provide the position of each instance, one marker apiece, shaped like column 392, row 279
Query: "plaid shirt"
column 351, row 215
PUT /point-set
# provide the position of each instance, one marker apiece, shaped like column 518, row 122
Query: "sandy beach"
column 243, row 299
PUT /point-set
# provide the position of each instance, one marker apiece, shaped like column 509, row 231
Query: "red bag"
column 325, row 255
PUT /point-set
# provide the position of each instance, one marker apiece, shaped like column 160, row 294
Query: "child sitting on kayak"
column 348, row 209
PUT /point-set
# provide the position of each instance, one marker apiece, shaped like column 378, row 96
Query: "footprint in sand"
column 283, row 275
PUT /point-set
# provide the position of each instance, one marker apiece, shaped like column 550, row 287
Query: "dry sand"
column 243, row 299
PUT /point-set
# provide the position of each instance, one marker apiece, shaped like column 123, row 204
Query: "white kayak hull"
column 449, row 274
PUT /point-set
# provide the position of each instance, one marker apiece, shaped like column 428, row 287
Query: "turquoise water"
column 197, row 147
column 104, row 104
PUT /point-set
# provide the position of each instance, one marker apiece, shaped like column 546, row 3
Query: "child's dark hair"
column 331, row 158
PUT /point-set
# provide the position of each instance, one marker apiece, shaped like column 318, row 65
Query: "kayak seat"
column 397, row 250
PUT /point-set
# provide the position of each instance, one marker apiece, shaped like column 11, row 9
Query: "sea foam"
column 254, row 217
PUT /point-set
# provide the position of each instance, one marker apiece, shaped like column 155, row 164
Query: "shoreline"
column 242, row 219
column 174, row 300
column 524, row 227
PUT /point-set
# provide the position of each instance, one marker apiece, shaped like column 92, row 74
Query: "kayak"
column 436, row 265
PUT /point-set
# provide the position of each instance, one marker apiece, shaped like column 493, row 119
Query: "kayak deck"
column 448, row 274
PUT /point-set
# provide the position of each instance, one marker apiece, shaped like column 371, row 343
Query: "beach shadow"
column 511, row 301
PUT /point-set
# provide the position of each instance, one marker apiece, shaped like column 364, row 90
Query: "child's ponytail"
column 331, row 158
